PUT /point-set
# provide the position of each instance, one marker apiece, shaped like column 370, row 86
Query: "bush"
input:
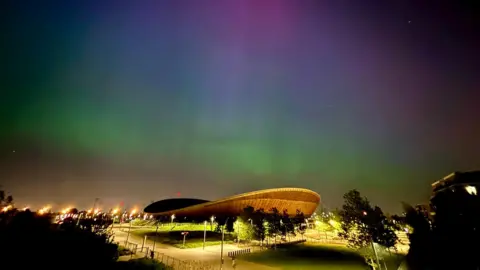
column 32, row 242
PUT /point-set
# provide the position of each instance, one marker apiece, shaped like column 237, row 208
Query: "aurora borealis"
column 136, row 102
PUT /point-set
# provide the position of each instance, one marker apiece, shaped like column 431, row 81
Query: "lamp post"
column 204, row 234
column 172, row 217
column 155, row 238
column 223, row 238
column 212, row 218
column 128, row 234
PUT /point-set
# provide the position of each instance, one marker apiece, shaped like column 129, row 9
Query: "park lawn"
column 176, row 227
column 142, row 263
column 194, row 239
column 309, row 257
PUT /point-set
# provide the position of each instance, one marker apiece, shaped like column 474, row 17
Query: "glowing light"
column 89, row 211
column 212, row 218
column 6, row 208
column 115, row 211
column 133, row 212
column 43, row 210
column 471, row 190
column 96, row 211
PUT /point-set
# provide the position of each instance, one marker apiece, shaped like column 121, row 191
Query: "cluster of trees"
column 449, row 238
column 256, row 224
column 366, row 227
column 33, row 241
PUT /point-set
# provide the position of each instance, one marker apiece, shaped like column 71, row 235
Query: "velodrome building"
column 289, row 199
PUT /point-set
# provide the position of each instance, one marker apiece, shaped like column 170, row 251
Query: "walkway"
column 210, row 255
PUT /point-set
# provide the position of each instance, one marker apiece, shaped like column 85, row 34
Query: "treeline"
column 257, row 224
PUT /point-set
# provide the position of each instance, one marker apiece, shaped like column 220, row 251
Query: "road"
column 210, row 255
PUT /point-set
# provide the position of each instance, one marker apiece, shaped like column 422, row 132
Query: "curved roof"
column 172, row 204
column 289, row 199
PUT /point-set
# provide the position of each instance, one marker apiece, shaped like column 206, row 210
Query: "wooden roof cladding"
column 290, row 199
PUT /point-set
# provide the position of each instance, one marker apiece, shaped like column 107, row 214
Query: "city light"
column 89, row 211
column 96, row 211
column 133, row 212
column 471, row 190
column 44, row 210
column 115, row 211
column 6, row 208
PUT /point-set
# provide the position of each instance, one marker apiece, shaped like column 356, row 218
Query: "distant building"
column 456, row 223
column 288, row 199
column 465, row 181
column 455, row 197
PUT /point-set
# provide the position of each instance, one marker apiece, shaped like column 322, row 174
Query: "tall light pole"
column 172, row 217
column 128, row 234
column 155, row 238
column 223, row 238
column 95, row 204
column 212, row 218
column 204, row 234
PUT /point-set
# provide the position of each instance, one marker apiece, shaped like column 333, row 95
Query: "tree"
column 244, row 230
column 299, row 221
column 261, row 227
column 68, row 243
column 364, row 225
column 419, row 254
column 287, row 224
column 274, row 221
column 5, row 200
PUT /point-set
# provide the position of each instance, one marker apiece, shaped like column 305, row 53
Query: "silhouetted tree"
column 299, row 222
column 31, row 242
column 260, row 224
column 5, row 200
column 363, row 225
column 287, row 224
column 419, row 254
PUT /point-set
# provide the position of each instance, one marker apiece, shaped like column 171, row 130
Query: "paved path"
column 210, row 255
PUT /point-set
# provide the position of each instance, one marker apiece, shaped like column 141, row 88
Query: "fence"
column 236, row 253
column 169, row 261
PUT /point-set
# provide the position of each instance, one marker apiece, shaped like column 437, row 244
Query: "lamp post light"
column 155, row 238
column 223, row 238
column 172, row 217
column 204, row 234
column 212, row 218
column 128, row 234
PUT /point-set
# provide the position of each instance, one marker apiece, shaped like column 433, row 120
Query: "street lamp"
column 155, row 238
column 212, row 218
column 204, row 234
column 172, row 217
column 223, row 238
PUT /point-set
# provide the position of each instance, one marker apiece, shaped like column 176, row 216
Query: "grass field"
column 176, row 227
column 173, row 235
column 317, row 256
column 309, row 257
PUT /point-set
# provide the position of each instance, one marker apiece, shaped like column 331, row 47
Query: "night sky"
column 137, row 101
